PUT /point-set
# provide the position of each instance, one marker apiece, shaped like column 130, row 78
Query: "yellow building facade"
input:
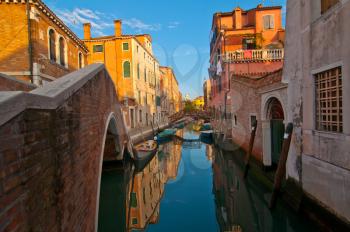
column 170, row 95
column 134, row 70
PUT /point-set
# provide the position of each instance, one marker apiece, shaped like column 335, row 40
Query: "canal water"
column 190, row 187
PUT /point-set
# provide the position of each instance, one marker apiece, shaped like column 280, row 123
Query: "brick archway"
column 113, row 149
column 273, row 116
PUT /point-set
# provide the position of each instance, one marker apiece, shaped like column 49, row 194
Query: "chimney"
column 87, row 31
column 238, row 18
column 118, row 27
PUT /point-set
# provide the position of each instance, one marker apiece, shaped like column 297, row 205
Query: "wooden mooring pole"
column 251, row 144
column 281, row 169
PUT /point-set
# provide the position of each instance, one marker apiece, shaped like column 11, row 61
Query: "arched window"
column 62, row 50
column 80, row 60
column 126, row 69
column 52, row 43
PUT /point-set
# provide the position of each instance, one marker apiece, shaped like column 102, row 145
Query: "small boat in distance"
column 207, row 136
column 180, row 125
column 206, row 127
column 144, row 152
column 165, row 135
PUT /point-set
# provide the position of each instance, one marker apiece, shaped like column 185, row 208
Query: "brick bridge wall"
column 8, row 83
column 51, row 146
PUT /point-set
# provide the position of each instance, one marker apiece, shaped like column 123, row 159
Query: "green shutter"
column 138, row 71
column 134, row 221
column 97, row 48
column 158, row 101
column 125, row 46
column 133, row 200
column 126, row 68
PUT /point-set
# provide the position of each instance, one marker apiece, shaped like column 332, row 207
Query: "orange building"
column 245, row 43
column 134, row 70
column 36, row 46
column 170, row 95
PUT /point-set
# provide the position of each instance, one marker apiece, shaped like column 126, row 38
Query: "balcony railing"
column 254, row 55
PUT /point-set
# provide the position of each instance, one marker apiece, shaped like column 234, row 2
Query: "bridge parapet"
column 52, row 144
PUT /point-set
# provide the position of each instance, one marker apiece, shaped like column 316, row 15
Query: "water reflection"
column 242, row 205
column 147, row 186
column 189, row 188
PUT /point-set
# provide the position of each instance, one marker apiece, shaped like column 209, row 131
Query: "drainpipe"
column 30, row 47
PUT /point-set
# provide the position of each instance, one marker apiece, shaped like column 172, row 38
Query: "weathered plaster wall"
column 316, row 43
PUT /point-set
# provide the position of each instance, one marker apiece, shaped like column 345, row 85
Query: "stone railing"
column 254, row 55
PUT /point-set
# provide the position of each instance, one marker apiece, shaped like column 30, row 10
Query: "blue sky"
column 180, row 28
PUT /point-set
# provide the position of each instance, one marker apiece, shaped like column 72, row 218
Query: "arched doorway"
column 276, row 116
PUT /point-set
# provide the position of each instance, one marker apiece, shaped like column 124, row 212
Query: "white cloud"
column 78, row 16
column 100, row 21
column 138, row 25
column 173, row 25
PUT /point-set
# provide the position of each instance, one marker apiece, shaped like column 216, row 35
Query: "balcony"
column 253, row 55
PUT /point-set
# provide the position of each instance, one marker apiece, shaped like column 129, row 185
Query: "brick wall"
column 14, row 55
column 8, row 83
column 49, row 161
column 14, row 38
column 246, row 97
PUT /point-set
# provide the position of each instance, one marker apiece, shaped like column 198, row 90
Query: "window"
column 134, row 221
column 329, row 100
column 235, row 120
column 140, row 114
column 80, row 60
column 252, row 120
column 327, row 4
column 126, row 68
column 269, row 22
column 248, row 43
column 138, row 71
column 97, row 48
column 139, row 93
column 145, row 75
column 137, row 48
column 62, row 50
column 52, row 45
column 125, row 46
column 133, row 200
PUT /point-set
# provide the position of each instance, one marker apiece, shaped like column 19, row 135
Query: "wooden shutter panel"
column 272, row 22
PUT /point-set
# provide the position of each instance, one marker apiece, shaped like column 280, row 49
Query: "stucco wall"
column 315, row 43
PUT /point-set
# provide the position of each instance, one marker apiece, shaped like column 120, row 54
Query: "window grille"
column 329, row 100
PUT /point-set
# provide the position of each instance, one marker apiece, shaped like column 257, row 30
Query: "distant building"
column 246, row 63
column 243, row 42
column 207, row 93
column 317, row 70
column 134, row 70
column 171, row 97
column 37, row 47
column 198, row 103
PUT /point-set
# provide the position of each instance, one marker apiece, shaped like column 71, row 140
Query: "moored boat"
column 207, row 136
column 144, row 152
column 165, row 135
column 180, row 125
column 206, row 127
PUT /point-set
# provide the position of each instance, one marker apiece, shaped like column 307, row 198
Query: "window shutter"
column 126, row 68
column 272, row 22
column 266, row 22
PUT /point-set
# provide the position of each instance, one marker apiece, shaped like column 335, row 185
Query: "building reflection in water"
column 146, row 188
column 242, row 205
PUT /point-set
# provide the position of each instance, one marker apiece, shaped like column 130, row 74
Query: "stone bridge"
column 197, row 114
column 53, row 141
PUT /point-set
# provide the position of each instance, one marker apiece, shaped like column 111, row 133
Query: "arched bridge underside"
column 53, row 141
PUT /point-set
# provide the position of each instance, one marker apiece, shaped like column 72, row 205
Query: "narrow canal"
column 190, row 187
